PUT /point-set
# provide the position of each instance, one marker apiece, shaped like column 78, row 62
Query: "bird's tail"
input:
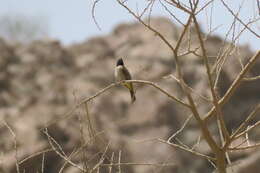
column 132, row 93
column 130, row 87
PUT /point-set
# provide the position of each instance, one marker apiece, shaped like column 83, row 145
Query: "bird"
column 121, row 74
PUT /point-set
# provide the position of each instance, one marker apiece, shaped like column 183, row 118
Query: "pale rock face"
column 42, row 81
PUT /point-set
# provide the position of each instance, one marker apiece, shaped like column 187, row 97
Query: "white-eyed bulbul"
column 122, row 73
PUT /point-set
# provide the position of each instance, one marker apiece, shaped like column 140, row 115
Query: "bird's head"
column 120, row 62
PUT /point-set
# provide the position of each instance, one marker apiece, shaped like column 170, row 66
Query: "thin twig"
column 236, row 83
column 149, row 5
column 191, row 89
column 15, row 146
column 138, row 164
column 146, row 25
column 35, row 154
column 197, row 143
column 187, row 149
column 111, row 162
column 249, row 79
column 43, row 160
column 168, row 10
column 241, row 143
column 248, row 119
column 65, row 163
column 203, row 7
column 119, row 161
column 245, row 147
column 253, row 32
column 93, row 14
column 101, row 160
column 247, row 130
column 62, row 155
column 181, row 129
column 179, row 5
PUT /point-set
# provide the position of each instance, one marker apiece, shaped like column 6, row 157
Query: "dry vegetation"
column 221, row 159
column 221, row 145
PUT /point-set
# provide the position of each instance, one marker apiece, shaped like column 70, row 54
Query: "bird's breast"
column 119, row 74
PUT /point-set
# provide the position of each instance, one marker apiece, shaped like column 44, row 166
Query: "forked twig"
column 181, row 129
column 247, row 130
column 245, row 147
column 187, row 149
column 236, row 83
column 111, row 163
column 101, row 160
column 52, row 141
column 249, row 29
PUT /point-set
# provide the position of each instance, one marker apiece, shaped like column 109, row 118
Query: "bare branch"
column 119, row 161
column 168, row 10
column 191, row 89
column 146, row 25
column 205, row 6
column 62, row 155
column 139, row 164
column 35, row 154
column 66, row 162
column 223, row 128
column 111, row 163
column 247, row 130
column 236, row 83
column 253, row 32
column 180, row 130
column 249, row 79
column 43, row 159
column 249, row 118
column 100, row 92
column 245, row 147
column 179, row 5
column 148, row 6
column 187, row 149
column 101, row 160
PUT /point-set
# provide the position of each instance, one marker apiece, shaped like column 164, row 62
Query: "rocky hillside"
column 42, row 81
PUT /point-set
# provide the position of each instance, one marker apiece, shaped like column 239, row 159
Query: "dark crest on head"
column 120, row 62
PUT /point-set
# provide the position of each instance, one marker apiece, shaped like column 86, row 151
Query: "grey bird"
column 122, row 73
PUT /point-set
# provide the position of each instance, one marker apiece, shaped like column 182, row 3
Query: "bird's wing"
column 126, row 74
column 127, row 84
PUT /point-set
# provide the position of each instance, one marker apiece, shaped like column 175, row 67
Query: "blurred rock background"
column 42, row 81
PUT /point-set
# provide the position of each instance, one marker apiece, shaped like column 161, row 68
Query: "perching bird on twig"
column 122, row 73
